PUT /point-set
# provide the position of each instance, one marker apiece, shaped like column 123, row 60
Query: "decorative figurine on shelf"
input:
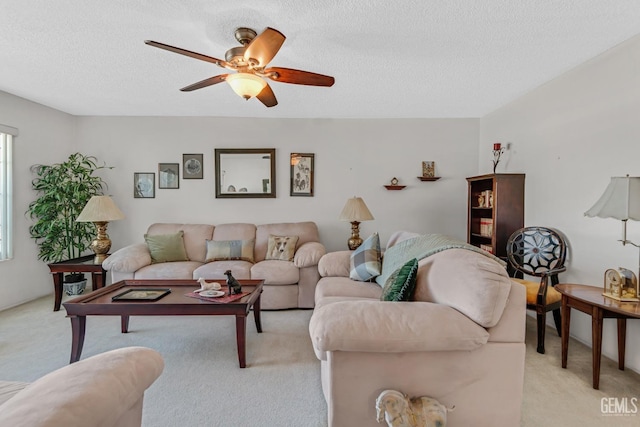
column 394, row 181
column 233, row 284
column 497, row 151
column 208, row 286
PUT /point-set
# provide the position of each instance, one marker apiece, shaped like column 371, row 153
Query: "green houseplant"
column 63, row 191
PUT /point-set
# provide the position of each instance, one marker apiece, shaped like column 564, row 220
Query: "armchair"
column 105, row 390
column 539, row 252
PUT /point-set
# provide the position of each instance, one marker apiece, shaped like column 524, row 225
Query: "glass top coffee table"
column 144, row 299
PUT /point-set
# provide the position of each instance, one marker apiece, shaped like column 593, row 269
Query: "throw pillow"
column 221, row 250
column 365, row 260
column 281, row 247
column 400, row 285
column 166, row 247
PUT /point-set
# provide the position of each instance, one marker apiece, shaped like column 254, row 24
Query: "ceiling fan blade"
column 298, row 77
column 267, row 97
column 264, row 47
column 204, row 83
column 185, row 52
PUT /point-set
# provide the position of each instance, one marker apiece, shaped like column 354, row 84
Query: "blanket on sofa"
column 421, row 247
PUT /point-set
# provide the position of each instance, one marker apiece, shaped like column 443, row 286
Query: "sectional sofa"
column 210, row 250
column 459, row 340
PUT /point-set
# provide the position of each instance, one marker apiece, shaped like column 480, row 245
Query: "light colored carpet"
column 203, row 386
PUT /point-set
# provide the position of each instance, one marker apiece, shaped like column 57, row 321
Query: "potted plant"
column 63, row 191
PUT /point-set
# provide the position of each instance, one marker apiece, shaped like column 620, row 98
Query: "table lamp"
column 355, row 211
column 100, row 210
column 621, row 200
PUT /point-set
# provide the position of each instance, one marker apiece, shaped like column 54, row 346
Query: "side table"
column 589, row 300
column 84, row 264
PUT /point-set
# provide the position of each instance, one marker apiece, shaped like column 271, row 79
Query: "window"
column 6, row 141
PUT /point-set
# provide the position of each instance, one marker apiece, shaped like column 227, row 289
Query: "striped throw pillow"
column 366, row 260
column 220, row 250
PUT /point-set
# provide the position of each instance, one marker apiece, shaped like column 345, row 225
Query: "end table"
column 83, row 264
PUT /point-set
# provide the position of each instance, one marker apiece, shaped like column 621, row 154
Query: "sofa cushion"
column 345, row 287
column 376, row 326
column 365, row 261
column 215, row 270
column 168, row 270
column 468, row 281
column 224, row 250
column 400, row 285
column 281, row 247
column 166, row 247
column 275, row 272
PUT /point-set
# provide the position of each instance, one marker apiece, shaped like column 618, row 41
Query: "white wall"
column 570, row 136
column 45, row 135
column 352, row 157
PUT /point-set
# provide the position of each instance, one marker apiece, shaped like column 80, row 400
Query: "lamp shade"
column 98, row 209
column 355, row 210
column 246, row 85
column 621, row 200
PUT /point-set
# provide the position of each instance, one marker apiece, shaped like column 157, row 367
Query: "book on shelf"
column 486, row 227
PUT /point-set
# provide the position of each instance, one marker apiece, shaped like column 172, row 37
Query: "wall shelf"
column 428, row 178
column 394, row 187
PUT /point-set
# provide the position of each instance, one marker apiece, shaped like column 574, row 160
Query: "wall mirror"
column 245, row 172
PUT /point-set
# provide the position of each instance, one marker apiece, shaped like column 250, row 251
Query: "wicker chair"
column 539, row 252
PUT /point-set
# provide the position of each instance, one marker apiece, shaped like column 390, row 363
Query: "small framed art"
column 141, row 295
column 302, row 174
column 192, row 166
column 168, row 175
column 144, row 185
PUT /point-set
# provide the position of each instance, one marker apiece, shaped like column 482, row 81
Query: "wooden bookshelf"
column 505, row 211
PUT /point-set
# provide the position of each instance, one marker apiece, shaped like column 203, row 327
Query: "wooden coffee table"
column 589, row 300
column 99, row 303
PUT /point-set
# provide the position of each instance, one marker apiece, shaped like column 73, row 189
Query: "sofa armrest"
column 335, row 264
column 99, row 391
column 128, row 259
column 309, row 254
column 392, row 327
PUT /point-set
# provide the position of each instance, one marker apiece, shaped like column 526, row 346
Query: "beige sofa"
column 459, row 340
column 288, row 284
column 102, row 391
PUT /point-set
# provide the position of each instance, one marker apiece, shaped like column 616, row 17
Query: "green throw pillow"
column 400, row 285
column 166, row 247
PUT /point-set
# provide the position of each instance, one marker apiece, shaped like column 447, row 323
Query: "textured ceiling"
column 411, row 58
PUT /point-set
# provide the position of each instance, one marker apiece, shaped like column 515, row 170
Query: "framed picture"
column 168, row 175
column 192, row 166
column 302, row 174
column 141, row 295
column 144, row 185
column 428, row 169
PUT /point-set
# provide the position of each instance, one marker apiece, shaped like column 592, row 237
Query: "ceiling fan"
column 249, row 62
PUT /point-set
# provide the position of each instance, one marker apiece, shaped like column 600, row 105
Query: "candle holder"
column 497, row 152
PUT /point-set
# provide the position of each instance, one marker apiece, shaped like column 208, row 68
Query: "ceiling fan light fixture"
column 246, row 85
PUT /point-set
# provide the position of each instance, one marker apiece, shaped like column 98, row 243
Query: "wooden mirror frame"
column 220, row 172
